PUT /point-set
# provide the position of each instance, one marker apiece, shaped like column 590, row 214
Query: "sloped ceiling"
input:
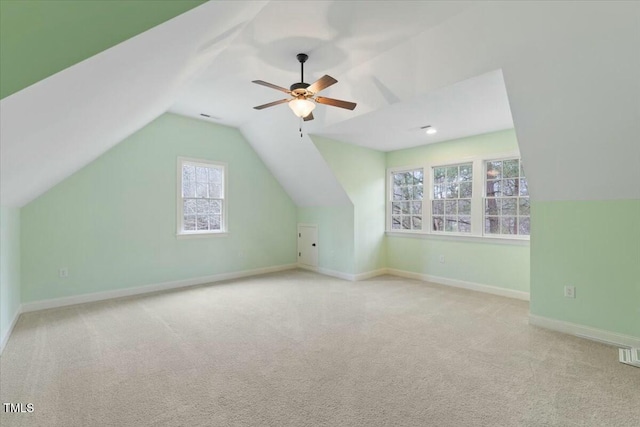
column 570, row 70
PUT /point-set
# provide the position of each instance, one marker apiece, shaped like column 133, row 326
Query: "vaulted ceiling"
column 569, row 68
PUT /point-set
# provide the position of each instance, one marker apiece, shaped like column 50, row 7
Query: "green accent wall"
column 335, row 236
column 113, row 223
column 41, row 38
column 594, row 246
column 361, row 172
column 483, row 262
column 9, row 267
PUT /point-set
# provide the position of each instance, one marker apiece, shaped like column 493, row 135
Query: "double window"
column 201, row 198
column 458, row 199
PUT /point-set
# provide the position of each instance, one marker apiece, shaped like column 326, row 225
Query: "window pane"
column 404, row 207
column 509, row 206
column 215, row 175
column 510, row 187
column 451, row 223
column 418, row 176
column 452, row 174
column 406, row 223
column 202, row 223
column 201, row 189
column 416, row 207
column 524, row 188
column 452, row 190
column 188, row 173
column 492, row 206
column 202, row 206
column 214, row 222
column 417, row 222
column 524, row 226
column 396, row 207
column 464, row 224
column 438, row 223
column 508, row 225
column 438, row 207
column 438, row 191
column 189, row 222
column 511, row 168
column 417, row 192
column 492, row 225
column 397, row 193
column 438, row 175
column 464, row 207
column 523, row 208
column 202, row 174
column 189, row 207
column 466, row 172
column 408, row 178
column 215, row 191
column 451, row 207
column 494, row 170
column 188, row 188
column 395, row 222
column 466, row 189
column 216, row 206
column 494, row 188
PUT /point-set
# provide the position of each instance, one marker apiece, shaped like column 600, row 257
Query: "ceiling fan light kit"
column 304, row 98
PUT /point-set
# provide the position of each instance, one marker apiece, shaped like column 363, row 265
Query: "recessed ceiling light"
column 430, row 130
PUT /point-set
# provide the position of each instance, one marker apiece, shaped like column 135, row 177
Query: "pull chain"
column 300, row 127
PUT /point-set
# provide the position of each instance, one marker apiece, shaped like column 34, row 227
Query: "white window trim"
column 224, row 231
column 477, row 214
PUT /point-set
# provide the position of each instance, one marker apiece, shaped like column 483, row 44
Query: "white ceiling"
column 337, row 36
column 471, row 107
column 406, row 64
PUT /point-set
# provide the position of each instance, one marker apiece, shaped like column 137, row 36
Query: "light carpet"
column 299, row 349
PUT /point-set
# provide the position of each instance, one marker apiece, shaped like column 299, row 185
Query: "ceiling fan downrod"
column 302, row 57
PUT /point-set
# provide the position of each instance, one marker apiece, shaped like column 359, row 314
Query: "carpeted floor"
column 300, row 349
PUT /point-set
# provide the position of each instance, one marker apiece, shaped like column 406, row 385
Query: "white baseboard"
column 370, row 274
column 118, row 293
column 4, row 339
column 510, row 293
column 587, row 332
column 327, row 272
column 344, row 276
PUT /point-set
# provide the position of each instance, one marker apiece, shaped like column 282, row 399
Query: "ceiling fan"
column 303, row 95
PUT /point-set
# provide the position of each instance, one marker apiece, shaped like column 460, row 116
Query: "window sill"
column 202, row 235
column 515, row 241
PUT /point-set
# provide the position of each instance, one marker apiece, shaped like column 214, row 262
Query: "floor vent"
column 630, row 356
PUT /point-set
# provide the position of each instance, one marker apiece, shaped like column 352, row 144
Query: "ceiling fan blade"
column 272, row 86
column 271, row 104
column 336, row 103
column 308, row 117
column 322, row 83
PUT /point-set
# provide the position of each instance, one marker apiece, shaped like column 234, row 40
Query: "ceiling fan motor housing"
column 299, row 88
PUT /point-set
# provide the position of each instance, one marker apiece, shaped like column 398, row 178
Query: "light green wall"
column 456, row 149
column 9, row 267
column 361, row 172
column 40, row 38
column 113, row 223
column 335, row 235
column 594, row 246
column 482, row 262
column 491, row 264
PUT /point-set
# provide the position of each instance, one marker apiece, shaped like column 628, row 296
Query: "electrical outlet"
column 570, row 291
column 63, row 272
column 441, row 259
